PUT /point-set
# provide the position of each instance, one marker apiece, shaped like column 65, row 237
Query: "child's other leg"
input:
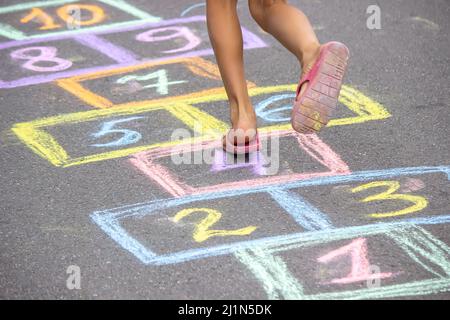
column 290, row 27
column 323, row 67
column 226, row 39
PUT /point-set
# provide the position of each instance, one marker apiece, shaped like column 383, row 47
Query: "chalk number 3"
column 202, row 231
column 419, row 202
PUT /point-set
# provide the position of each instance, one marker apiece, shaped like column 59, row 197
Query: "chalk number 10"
column 70, row 14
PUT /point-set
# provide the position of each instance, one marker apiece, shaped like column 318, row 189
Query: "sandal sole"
column 318, row 103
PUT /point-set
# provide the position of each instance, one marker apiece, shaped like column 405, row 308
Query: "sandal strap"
column 311, row 73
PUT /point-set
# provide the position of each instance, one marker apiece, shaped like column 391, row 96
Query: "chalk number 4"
column 419, row 202
column 162, row 86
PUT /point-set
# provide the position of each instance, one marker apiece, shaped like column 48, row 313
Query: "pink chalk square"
column 310, row 146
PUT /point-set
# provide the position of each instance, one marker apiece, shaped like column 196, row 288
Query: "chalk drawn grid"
column 319, row 230
column 123, row 56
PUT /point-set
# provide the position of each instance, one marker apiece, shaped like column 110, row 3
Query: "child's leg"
column 226, row 39
column 290, row 27
column 323, row 67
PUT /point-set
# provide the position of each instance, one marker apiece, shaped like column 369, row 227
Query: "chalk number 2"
column 419, row 202
column 202, row 231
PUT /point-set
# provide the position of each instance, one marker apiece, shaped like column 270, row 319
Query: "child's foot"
column 240, row 141
column 319, row 87
column 243, row 136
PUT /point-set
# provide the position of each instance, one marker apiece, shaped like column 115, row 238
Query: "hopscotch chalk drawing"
column 261, row 253
column 162, row 82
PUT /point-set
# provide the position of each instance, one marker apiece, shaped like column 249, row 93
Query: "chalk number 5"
column 419, row 202
column 128, row 136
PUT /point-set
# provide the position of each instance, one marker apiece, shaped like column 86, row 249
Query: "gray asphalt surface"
column 46, row 220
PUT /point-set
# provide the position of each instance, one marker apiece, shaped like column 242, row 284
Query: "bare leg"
column 290, row 27
column 226, row 39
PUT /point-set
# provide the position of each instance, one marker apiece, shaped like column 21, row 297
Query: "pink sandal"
column 314, row 108
column 236, row 148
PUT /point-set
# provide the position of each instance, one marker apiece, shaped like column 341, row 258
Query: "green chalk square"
column 439, row 283
column 12, row 33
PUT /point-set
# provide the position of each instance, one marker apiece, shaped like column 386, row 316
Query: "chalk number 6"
column 392, row 186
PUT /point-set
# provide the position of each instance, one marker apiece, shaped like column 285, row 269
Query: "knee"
column 259, row 8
